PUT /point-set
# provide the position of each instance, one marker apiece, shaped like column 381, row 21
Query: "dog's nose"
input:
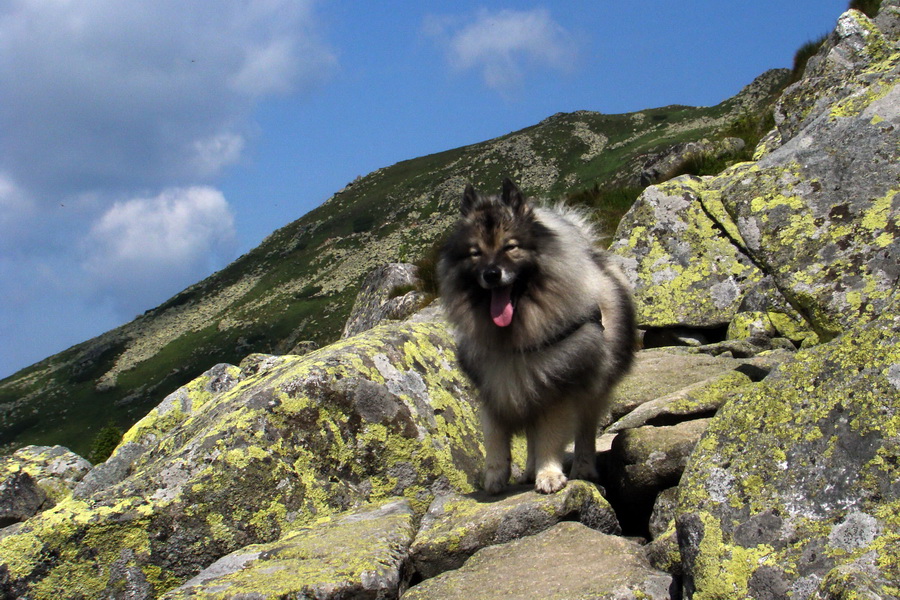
column 492, row 275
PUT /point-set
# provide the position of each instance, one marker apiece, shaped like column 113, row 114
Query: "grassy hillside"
column 300, row 282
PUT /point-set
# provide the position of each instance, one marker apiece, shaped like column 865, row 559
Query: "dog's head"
column 495, row 248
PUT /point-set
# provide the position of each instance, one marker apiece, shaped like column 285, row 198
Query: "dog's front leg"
column 497, row 457
column 552, row 432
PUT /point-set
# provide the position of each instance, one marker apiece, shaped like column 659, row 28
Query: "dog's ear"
column 469, row 200
column 512, row 197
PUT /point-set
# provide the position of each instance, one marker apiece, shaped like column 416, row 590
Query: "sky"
column 145, row 145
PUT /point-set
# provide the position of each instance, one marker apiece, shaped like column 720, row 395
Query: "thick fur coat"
column 545, row 328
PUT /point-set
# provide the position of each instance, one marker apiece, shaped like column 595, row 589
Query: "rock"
column 795, row 488
column 674, row 160
column 226, row 462
column 644, row 461
column 701, row 399
column 20, row 498
column 818, row 213
column 821, row 213
column 664, row 371
column 359, row 554
column 377, row 299
column 683, row 265
column 567, row 561
column 663, row 552
column 663, row 516
column 649, row 459
column 304, row 347
column 455, row 526
column 56, row 470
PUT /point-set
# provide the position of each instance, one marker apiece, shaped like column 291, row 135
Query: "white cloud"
column 216, row 152
column 143, row 250
column 503, row 45
column 101, row 93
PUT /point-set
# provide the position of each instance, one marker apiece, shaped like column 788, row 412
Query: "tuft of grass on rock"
column 869, row 8
column 104, row 443
column 802, row 56
column 608, row 203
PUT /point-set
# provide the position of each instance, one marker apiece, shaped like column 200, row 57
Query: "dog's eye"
column 474, row 252
column 510, row 245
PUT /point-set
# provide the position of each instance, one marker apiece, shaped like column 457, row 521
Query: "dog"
column 544, row 325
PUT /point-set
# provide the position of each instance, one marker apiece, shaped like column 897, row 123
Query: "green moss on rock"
column 804, row 464
column 234, row 459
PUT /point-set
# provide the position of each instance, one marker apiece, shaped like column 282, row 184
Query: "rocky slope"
column 300, row 283
column 759, row 459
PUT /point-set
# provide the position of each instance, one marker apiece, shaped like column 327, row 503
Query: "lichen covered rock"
column 794, row 488
column 567, row 561
column 818, row 213
column 56, row 470
column 821, row 212
column 701, row 399
column 380, row 415
column 456, row 526
column 683, row 265
column 359, row 555
column 662, row 372
column 378, row 298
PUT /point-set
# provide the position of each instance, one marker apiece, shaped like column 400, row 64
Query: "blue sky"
column 144, row 145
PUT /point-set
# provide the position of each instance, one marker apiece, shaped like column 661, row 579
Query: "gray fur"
column 534, row 375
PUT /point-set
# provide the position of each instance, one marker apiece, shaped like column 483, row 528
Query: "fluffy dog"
column 545, row 328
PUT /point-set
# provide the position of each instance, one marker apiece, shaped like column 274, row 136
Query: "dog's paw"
column 549, row 481
column 495, row 480
column 582, row 469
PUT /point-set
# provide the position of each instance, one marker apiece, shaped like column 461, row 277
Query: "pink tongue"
column 501, row 306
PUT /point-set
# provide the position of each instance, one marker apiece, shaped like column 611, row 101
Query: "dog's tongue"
column 501, row 306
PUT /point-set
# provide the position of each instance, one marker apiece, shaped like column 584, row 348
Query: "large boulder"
column 684, row 266
column 794, row 491
column 821, row 213
column 234, row 459
column 814, row 223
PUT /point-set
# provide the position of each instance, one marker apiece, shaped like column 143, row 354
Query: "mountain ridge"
column 299, row 283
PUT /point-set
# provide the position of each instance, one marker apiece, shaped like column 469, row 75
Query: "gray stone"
column 377, row 302
column 664, row 371
column 700, row 399
column 359, row 554
column 56, row 470
column 214, row 469
column 648, row 459
column 794, row 489
column 565, row 562
column 456, row 526
column 20, row 498
column 821, row 212
column 683, row 264
column 663, row 516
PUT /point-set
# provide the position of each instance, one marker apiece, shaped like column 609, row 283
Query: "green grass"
column 608, row 204
column 802, row 56
column 868, row 7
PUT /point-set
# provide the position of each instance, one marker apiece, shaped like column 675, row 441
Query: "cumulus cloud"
column 503, row 45
column 152, row 247
column 105, row 100
column 130, row 93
